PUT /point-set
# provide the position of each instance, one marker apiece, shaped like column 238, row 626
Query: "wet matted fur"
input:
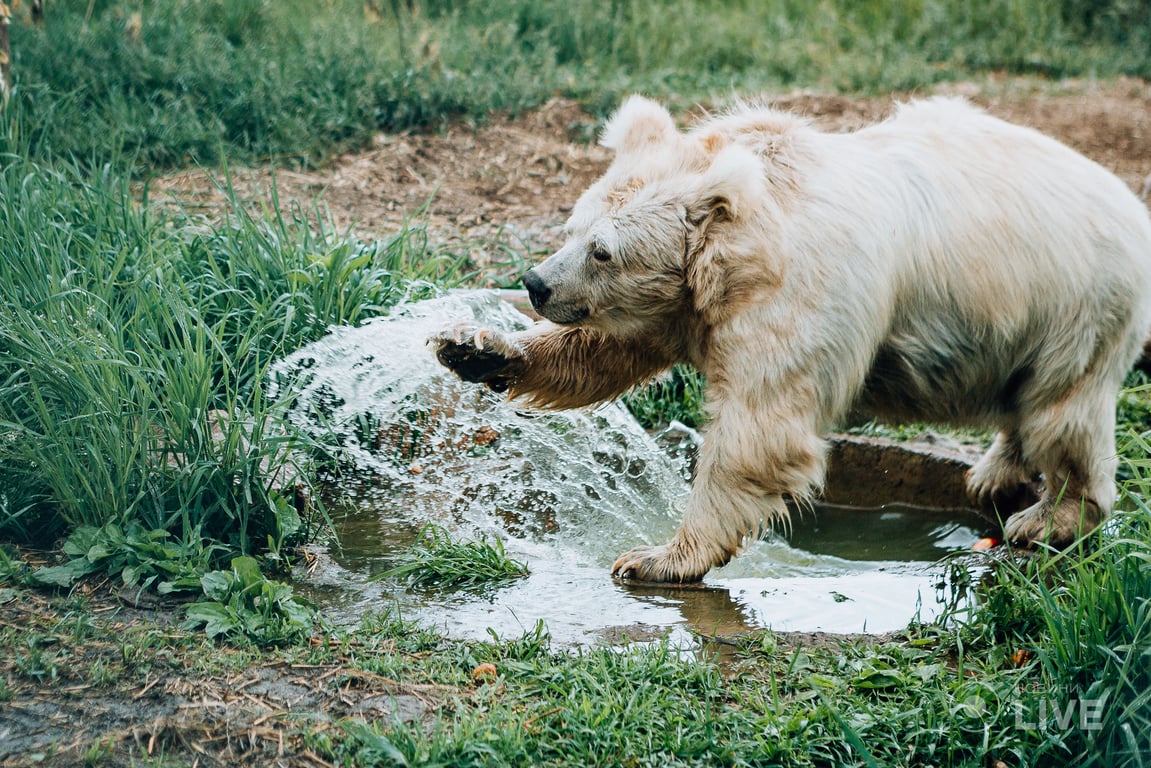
column 941, row 266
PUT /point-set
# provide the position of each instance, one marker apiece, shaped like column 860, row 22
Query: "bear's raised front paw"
column 478, row 354
column 663, row 564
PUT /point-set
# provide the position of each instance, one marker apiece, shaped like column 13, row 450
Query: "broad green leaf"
column 63, row 575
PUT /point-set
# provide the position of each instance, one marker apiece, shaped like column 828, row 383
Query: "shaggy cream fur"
column 941, row 266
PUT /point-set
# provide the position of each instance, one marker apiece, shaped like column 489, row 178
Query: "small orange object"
column 485, row 673
column 1021, row 657
column 985, row 544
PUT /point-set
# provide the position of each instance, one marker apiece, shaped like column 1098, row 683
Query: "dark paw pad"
column 476, row 365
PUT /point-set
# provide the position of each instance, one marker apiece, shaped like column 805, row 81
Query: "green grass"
column 171, row 82
column 437, row 560
column 135, row 346
column 677, row 396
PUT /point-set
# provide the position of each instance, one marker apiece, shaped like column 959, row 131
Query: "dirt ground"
column 511, row 183
column 95, row 680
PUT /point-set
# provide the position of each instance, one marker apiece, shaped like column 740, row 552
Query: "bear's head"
column 650, row 240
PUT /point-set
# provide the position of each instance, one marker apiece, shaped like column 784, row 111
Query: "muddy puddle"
column 567, row 493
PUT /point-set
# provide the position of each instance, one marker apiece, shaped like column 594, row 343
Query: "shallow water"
column 567, row 493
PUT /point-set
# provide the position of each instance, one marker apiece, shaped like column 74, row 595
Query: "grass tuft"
column 435, row 560
column 677, row 396
column 135, row 348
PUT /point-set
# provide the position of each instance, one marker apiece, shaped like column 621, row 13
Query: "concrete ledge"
column 871, row 472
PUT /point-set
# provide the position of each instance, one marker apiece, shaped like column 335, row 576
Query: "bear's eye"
column 599, row 253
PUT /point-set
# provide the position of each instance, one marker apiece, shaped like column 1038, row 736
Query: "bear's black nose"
column 538, row 291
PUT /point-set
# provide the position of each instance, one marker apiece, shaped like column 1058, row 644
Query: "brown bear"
column 942, row 266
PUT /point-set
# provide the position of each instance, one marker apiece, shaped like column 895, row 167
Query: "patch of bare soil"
column 113, row 685
column 511, row 183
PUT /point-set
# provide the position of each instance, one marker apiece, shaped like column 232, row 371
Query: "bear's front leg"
column 551, row 366
column 723, row 513
column 750, row 459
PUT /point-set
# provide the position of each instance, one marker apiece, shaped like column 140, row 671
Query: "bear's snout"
column 538, row 290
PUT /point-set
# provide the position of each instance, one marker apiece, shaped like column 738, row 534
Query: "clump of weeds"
column 243, row 605
column 437, row 560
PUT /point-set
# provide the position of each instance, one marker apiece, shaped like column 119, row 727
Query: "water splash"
column 436, row 449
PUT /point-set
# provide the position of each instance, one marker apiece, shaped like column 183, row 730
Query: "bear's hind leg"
column 1073, row 444
column 1000, row 470
column 1001, row 477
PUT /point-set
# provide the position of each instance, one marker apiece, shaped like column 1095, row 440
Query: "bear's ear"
column 638, row 123
column 733, row 180
column 704, row 270
column 725, row 192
